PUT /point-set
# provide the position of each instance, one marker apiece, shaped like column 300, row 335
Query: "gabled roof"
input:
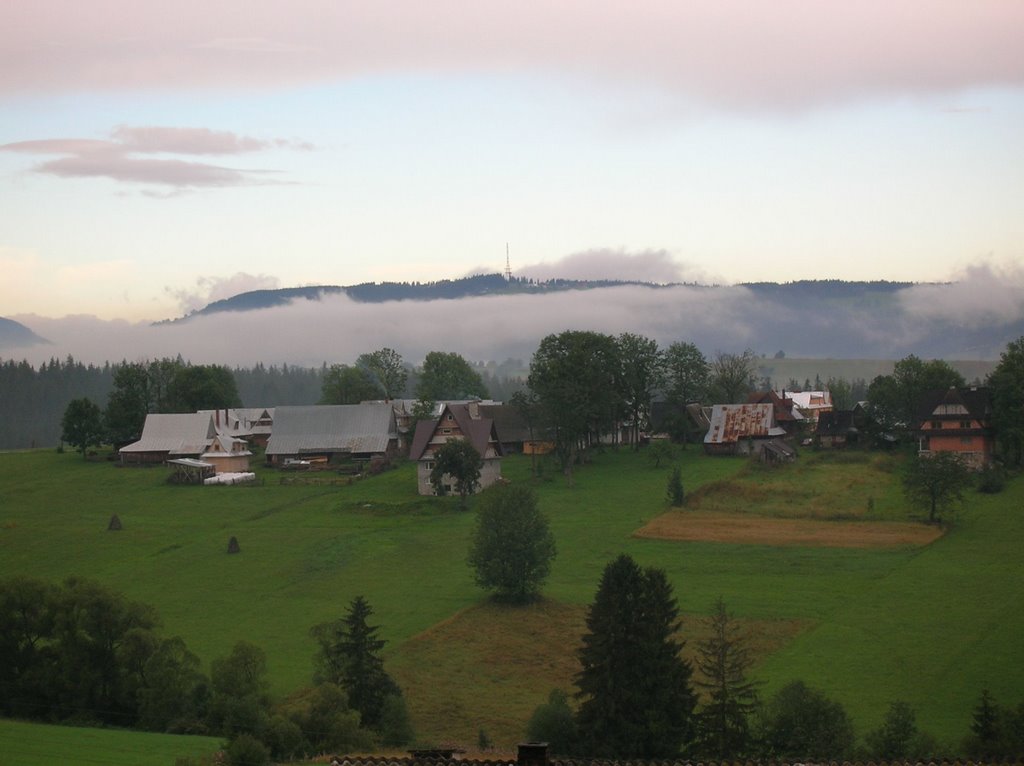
column 732, row 422
column 977, row 400
column 177, row 434
column 810, row 400
column 479, row 431
column 509, row 423
column 243, row 421
column 786, row 409
column 356, row 428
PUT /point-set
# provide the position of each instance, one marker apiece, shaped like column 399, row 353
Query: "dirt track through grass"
column 710, row 526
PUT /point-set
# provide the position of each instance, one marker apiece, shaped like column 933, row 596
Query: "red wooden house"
column 958, row 420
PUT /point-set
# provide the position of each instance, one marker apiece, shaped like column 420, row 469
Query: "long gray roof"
column 357, row 428
column 177, row 434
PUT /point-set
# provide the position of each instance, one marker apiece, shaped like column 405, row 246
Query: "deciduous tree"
column 898, row 738
column 895, row 399
column 642, row 371
column 732, row 375
column 387, row 370
column 1007, row 382
column 635, row 690
column 458, row 460
column 553, row 722
column 512, row 547
column 575, row 377
column 803, row 723
column 936, row 484
column 349, row 385
column 82, row 425
column 446, row 376
column 127, row 404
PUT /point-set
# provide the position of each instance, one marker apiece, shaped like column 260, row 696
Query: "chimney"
column 532, row 754
column 474, row 410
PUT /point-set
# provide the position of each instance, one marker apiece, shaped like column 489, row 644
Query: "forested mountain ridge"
column 379, row 292
column 16, row 335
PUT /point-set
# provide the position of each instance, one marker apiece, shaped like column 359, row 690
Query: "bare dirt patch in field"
column 712, row 527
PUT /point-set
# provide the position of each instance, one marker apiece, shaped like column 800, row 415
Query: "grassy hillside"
column 36, row 744
column 932, row 625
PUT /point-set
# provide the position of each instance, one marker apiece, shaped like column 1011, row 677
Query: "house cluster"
column 957, row 420
column 213, row 446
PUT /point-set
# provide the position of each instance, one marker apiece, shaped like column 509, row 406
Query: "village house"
column 787, row 414
column 746, row 429
column 837, row 428
column 456, row 421
column 227, row 454
column 810, row 403
column 957, row 420
column 333, row 433
column 169, row 436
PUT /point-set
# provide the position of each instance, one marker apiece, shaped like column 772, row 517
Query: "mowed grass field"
column 36, row 744
column 932, row 623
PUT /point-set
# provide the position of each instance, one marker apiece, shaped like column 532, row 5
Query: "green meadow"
column 932, row 625
column 36, row 744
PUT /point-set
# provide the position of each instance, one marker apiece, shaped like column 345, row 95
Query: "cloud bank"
column 742, row 54
column 124, row 156
column 337, row 329
column 210, row 289
column 654, row 266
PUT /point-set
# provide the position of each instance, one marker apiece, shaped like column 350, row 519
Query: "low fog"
column 971, row 318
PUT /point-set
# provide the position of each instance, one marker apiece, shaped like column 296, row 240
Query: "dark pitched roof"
column 510, row 424
column 784, row 407
column 836, row 423
column 977, row 400
column 477, row 430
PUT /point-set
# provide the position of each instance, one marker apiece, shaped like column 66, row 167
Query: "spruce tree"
column 349, row 656
column 635, row 690
column 722, row 660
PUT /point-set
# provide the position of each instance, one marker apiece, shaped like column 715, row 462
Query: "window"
column 429, row 465
column 449, row 417
column 936, row 424
column 965, row 424
column 446, row 430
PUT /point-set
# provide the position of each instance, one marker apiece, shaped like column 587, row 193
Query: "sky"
column 157, row 156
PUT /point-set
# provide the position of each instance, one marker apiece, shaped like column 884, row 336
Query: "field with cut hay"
column 931, row 623
column 748, row 529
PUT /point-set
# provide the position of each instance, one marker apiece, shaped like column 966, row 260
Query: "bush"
column 553, row 723
column 991, row 480
column 676, row 496
column 246, row 750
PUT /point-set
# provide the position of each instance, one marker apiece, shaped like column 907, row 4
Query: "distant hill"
column 16, row 335
column 379, row 292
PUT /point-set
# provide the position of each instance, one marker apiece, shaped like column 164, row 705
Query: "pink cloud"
column 735, row 53
column 655, row 266
column 119, row 159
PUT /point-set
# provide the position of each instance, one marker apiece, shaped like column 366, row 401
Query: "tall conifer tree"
column 636, row 697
